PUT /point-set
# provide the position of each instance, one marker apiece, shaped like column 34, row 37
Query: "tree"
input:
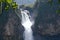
column 8, row 4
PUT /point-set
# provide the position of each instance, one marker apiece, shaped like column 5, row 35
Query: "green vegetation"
column 51, row 3
column 58, row 11
column 14, row 5
column 9, row 4
column 59, row 1
column 9, row 1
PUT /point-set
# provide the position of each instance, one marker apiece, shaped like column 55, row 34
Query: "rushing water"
column 27, row 25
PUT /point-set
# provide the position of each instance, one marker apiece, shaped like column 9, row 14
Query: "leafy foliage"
column 58, row 11
column 9, row 1
column 14, row 5
column 2, row 0
column 8, row 5
column 59, row 1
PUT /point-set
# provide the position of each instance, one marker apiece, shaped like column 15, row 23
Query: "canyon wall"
column 47, row 21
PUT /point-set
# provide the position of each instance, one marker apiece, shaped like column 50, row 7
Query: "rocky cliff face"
column 10, row 26
column 48, row 21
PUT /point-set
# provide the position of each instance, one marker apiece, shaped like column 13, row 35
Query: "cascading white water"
column 27, row 25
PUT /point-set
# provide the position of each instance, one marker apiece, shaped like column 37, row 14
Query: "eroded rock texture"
column 10, row 26
column 47, row 21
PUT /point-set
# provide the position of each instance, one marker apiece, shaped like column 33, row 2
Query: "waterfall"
column 27, row 25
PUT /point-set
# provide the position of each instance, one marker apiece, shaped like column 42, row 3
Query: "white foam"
column 27, row 25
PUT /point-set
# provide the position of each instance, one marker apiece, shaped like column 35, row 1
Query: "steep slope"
column 10, row 26
column 48, row 21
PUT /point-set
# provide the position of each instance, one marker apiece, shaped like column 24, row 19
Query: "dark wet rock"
column 10, row 26
column 47, row 21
